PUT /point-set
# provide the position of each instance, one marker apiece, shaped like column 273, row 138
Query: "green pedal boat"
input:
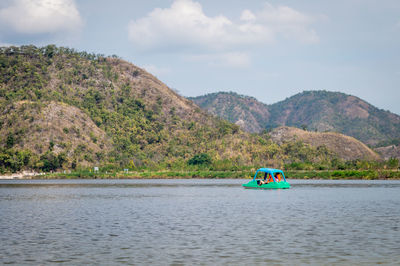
column 270, row 179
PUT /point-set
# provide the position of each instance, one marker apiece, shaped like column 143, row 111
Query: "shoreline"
column 24, row 175
column 207, row 174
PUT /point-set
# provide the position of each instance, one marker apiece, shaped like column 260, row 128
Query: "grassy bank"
column 166, row 174
column 169, row 174
column 345, row 174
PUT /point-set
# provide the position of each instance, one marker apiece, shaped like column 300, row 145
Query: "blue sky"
column 266, row 49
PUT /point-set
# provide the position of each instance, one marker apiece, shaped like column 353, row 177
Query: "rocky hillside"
column 347, row 148
column 250, row 114
column 60, row 108
column 387, row 152
column 315, row 110
column 90, row 108
column 55, row 127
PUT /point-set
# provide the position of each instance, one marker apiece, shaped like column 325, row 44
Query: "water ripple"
column 179, row 222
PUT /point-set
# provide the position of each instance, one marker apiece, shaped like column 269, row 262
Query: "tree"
column 131, row 165
column 393, row 163
column 10, row 141
column 200, row 159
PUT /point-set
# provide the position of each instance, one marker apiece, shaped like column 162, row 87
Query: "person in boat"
column 278, row 177
column 263, row 181
column 270, row 179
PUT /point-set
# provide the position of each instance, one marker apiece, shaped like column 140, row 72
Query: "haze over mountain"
column 315, row 110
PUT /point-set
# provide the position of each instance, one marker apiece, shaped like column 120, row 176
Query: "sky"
column 270, row 50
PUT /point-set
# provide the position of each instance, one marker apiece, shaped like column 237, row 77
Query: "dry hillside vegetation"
column 135, row 118
column 345, row 147
column 334, row 111
column 60, row 108
column 57, row 127
column 315, row 110
column 244, row 111
column 388, row 152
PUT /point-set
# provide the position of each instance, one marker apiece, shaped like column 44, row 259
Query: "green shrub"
column 200, row 159
column 10, row 141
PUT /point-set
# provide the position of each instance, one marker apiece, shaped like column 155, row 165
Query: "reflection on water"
column 198, row 222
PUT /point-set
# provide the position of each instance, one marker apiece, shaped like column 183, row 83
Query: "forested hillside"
column 348, row 147
column 250, row 114
column 63, row 109
column 339, row 112
column 313, row 110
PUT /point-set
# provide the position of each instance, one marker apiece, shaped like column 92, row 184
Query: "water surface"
column 196, row 221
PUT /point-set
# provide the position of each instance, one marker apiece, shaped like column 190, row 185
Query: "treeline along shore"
column 352, row 170
column 293, row 174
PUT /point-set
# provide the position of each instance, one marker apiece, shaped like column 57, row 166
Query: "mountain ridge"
column 316, row 110
column 143, row 121
column 63, row 109
column 349, row 147
column 226, row 106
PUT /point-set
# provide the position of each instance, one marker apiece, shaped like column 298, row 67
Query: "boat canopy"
column 270, row 171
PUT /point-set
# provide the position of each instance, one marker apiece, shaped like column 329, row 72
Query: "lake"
column 175, row 222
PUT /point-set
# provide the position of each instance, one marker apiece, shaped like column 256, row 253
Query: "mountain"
column 347, row 147
column 315, row 110
column 334, row 111
column 60, row 108
column 387, row 152
column 73, row 108
column 250, row 114
column 55, row 127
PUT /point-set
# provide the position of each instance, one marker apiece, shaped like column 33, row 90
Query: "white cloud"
column 3, row 44
column 41, row 16
column 247, row 15
column 287, row 22
column 157, row 71
column 184, row 26
column 231, row 59
column 235, row 59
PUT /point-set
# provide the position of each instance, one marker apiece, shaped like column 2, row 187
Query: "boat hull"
column 272, row 185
